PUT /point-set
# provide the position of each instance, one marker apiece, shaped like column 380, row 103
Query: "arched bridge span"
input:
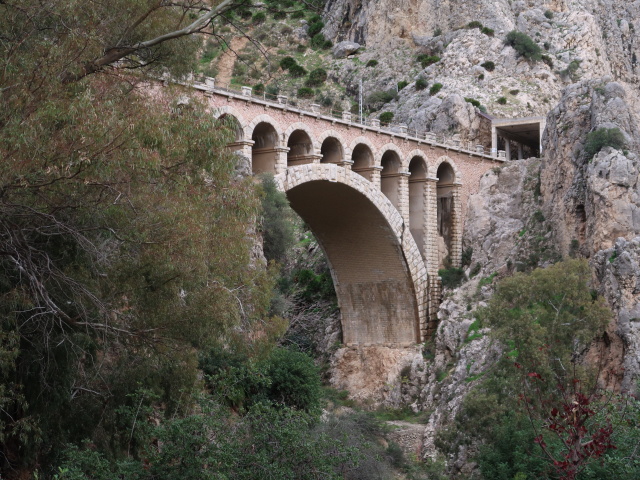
column 378, row 272
column 386, row 207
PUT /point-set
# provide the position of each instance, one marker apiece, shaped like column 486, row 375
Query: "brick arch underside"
column 380, row 291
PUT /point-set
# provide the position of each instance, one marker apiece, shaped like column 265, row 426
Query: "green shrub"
column 571, row 69
column 379, row 98
column 514, row 92
column 547, row 60
column 372, row 63
column 489, row 66
column 451, row 277
column 474, row 24
column 315, row 27
column 317, row 41
column 421, row 84
column 435, row 88
column 426, row 60
column 502, row 100
column 277, row 229
column 386, row 118
column 603, row 137
column 524, row 45
column 548, row 14
column 258, row 89
column 287, row 62
column 297, row 14
column 316, row 77
column 475, row 270
column 467, row 254
column 314, row 286
column 481, row 76
column 280, row 15
column 437, row 32
column 305, row 92
column 294, row 380
column 488, row 31
column 259, row 17
column 327, row 45
column 472, row 101
column 402, row 84
column 301, row 48
column 297, row 71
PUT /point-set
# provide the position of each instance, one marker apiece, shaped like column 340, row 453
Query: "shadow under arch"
column 379, row 276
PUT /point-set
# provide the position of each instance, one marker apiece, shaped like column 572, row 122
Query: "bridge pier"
column 403, row 196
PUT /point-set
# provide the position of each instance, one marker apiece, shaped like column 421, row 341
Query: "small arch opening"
column 446, row 178
column 417, row 208
column 231, row 123
column 300, row 148
column 362, row 158
column 332, row 151
column 264, row 154
column 390, row 176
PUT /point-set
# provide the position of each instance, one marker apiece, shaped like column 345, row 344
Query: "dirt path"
column 227, row 59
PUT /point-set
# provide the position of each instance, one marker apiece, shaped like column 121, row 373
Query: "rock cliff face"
column 591, row 202
column 582, row 39
column 528, row 213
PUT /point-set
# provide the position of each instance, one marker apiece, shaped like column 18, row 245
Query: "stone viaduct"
column 386, row 207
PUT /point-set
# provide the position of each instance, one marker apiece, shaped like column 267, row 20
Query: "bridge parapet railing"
column 309, row 107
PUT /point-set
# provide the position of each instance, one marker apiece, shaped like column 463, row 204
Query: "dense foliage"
column 603, row 137
column 524, row 45
column 123, row 234
column 538, row 410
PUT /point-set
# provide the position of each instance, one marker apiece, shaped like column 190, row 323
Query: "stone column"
column 281, row 159
column 494, row 141
column 507, row 148
column 375, row 177
column 403, row 196
column 430, row 234
column 434, row 285
column 456, row 241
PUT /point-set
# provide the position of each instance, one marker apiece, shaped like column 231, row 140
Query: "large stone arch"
column 360, row 148
column 267, row 153
column 364, row 140
column 448, row 210
column 386, row 148
column 263, row 118
column 229, row 110
column 328, row 135
column 379, row 275
column 433, row 168
column 305, row 128
column 415, row 153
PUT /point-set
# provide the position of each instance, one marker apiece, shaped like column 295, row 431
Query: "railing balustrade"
column 210, row 84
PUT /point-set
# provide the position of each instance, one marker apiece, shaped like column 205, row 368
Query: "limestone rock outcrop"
column 581, row 40
column 591, row 201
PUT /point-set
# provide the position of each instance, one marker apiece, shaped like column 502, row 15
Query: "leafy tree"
column 317, row 77
column 287, row 62
column 435, row 88
column 276, row 225
column 421, row 84
column 386, row 117
column 524, row 45
column 123, row 227
column 603, row 137
column 489, row 66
